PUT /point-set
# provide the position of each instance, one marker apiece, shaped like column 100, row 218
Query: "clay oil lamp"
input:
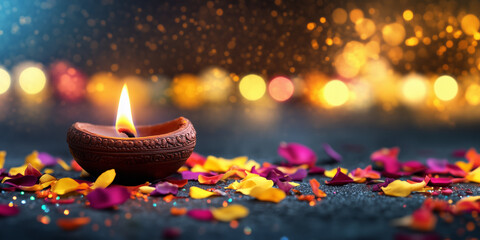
column 136, row 153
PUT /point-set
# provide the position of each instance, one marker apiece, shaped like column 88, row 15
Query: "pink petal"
column 31, row 171
column 188, row 175
column 6, row 211
column 47, row 159
column 164, row 189
column 447, row 191
column 332, row 153
column 388, row 157
column 455, row 170
column 316, row 170
column 297, row 154
column 25, row 181
column 437, row 165
column 299, row 175
column 284, row 186
column 413, row 166
column 101, row 198
column 339, row 179
column 440, row 182
column 200, row 214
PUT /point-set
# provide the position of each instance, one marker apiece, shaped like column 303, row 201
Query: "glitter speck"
column 23, row 201
column 32, row 198
column 247, row 230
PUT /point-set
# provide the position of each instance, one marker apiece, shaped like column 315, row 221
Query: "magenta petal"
column 200, row 214
column 459, row 153
column 47, row 159
column 31, row 171
column 413, row 166
column 188, row 175
column 165, row 188
column 455, row 170
column 6, row 211
column 101, row 198
column 340, row 179
column 297, row 154
column 332, row 153
column 378, row 187
column 316, row 170
column 437, row 165
column 299, row 175
column 25, row 181
column 284, row 186
column 440, row 182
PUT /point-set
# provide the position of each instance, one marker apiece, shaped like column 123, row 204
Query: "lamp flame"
column 124, row 122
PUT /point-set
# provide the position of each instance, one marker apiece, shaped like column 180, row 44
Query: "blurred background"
column 343, row 71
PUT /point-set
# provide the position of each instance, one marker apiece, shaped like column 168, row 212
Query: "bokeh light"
column 356, row 15
column 187, row 91
column 414, row 89
column 280, row 89
column 138, row 91
column 69, row 82
column 470, row 24
column 103, row 89
column 365, row 28
column 5, row 80
column 335, row 93
column 32, row 80
column 445, row 87
column 339, row 16
column 393, row 34
column 252, row 87
column 217, row 85
column 472, row 94
column 408, row 15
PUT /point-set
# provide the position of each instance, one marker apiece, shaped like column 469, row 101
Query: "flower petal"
column 223, row 165
column 178, row 211
column 47, row 159
column 200, row 214
column 2, row 158
column 22, row 181
column 165, row 188
column 299, row 175
column 399, row 188
column 332, row 153
column 102, row 198
column 331, row 173
column 314, row 184
column 268, row 195
column 339, row 179
column 70, row 224
column 31, row 171
column 297, row 154
column 105, row 179
column 64, row 186
column 198, row 193
column 195, row 159
column 209, row 180
column 440, row 182
column 6, row 211
column 229, row 213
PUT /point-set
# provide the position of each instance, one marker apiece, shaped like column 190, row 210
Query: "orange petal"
column 70, row 224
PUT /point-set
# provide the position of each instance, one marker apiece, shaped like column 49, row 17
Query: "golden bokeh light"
column 103, row 89
column 365, row 28
column 187, row 91
column 139, row 91
column 470, row 24
column 472, row 94
column 217, row 85
column 356, row 15
column 393, row 34
column 408, row 15
column 445, row 87
column 252, row 87
column 414, row 89
column 351, row 60
column 339, row 16
column 5, row 81
column 281, row 89
column 32, row 80
column 335, row 93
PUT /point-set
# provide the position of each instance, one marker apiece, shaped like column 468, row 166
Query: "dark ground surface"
column 348, row 212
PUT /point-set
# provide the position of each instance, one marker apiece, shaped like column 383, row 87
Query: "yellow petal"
column 34, row 188
column 46, row 178
column 465, row 166
column 64, row 165
column 198, row 193
column 198, row 168
column 2, row 158
column 16, row 170
column 251, row 181
column 229, row 213
column 250, row 164
column 269, row 195
column 34, row 160
column 146, row 189
column 400, row 188
column 294, row 184
column 105, row 179
column 64, row 186
column 222, row 165
column 84, row 174
column 182, row 169
column 48, row 170
column 331, row 173
column 474, row 176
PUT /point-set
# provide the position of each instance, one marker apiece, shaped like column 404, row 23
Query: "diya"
column 137, row 154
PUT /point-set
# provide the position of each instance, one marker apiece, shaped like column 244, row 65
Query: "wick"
column 126, row 132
